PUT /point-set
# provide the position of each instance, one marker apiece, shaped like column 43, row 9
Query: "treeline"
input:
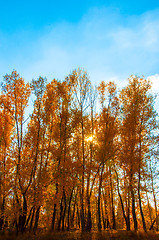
column 85, row 158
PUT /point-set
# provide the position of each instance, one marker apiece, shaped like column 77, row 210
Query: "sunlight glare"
column 90, row 139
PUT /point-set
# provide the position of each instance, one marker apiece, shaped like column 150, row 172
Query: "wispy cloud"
column 154, row 79
column 104, row 42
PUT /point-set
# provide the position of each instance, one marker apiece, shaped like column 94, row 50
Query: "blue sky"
column 109, row 39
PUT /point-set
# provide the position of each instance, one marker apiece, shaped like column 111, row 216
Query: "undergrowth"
column 77, row 235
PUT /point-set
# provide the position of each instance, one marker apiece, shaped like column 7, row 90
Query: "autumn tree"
column 106, row 134
column 80, row 84
column 35, row 154
column 138, row 123
column 14, row 99
column 59, row 132
column 6, row 128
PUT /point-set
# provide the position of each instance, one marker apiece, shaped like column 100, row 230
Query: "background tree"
column 138, row 122
column 6, row 128
column 106, row 133
column 14, row 99
column 80, row 83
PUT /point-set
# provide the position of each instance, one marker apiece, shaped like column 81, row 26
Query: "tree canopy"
column 85, row 158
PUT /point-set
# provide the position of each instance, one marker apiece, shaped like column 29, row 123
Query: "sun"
column 90, row 139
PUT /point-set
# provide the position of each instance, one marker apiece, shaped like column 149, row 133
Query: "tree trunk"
column 28, row 219
column 64, row 212
column 99, row 199
column 106, row 213
column 83, row 174
column 89, row 218
column 36, row 219
column 112, row 202
column 53, row 218
column 140, row 204
column 69, row 210
column 32, row 218
column 103, row 217
column 24, row 213
column 55, row 207
column 61, row 212
column 73, row 213
column 133, row 210
column 78, row 218
column 154, row 196
column 148, row 204
column 2, row 214
column 122, row 205
column 22, row 216
column 151, row 227
column 124, row 215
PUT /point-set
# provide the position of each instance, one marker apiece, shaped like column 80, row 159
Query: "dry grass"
column 104, row 235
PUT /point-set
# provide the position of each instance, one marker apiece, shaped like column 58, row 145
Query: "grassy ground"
column 105, row 235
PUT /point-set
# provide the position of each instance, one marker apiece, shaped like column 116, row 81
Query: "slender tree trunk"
column 78, row 217
column 69, row 210
column 140, row 204
column 103, row 217
column 127, row 201
column 2, row 213
column 36, row 219
column 99, row 199
column 151, row 227
column 64, row 211
column 83, row 174
column 106, row 213
column 133, row 199
column 28, row 219
column 89, row 220
column 55, row 209
column 122, row 205
column 139, row 180
column 128, row 209
column 53, row 217
column 61, row 212
column 148, row 204
column 73, row 215
column 133, row 210
column 123, row 211
column 32, row 218
column 112, row 201
column 2, row 191
column 89, row 217
column 24, row 213
column 141, row 212
column 154, row 196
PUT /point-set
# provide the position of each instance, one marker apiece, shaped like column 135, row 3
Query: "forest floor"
column 76, row 235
